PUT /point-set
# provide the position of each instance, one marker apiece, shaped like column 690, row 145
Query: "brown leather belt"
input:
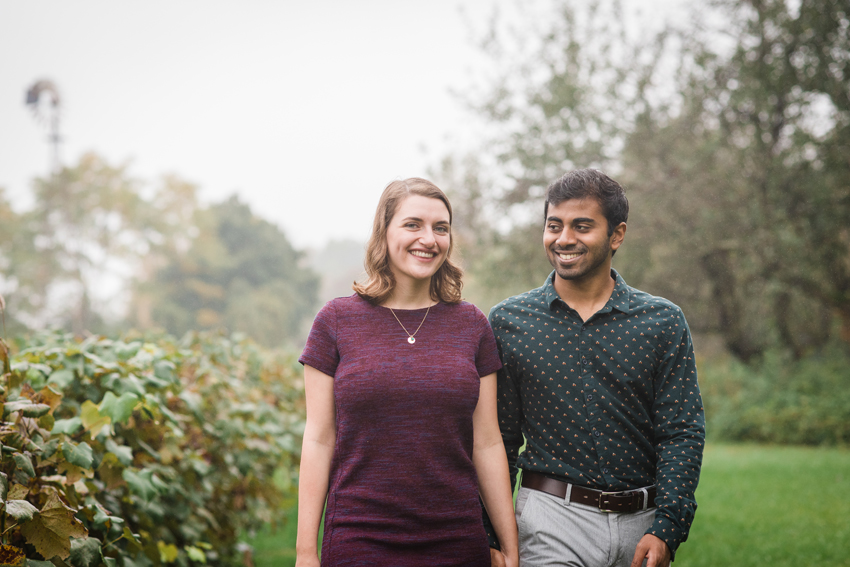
column 625, row 501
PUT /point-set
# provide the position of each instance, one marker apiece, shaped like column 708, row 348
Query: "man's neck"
column 586, row 295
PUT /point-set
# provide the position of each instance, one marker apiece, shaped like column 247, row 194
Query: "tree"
column 98, row 242
column 747, row 178
column 735, row 162
column 75, row 247
column 238, row 272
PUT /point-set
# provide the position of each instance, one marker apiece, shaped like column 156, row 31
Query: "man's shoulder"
column 531, row 299
column 644, row 303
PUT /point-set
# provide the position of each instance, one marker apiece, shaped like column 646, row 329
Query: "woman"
column 402, row 433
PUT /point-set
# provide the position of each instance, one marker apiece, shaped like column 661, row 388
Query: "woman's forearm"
column 491, row 466
column 312, row 493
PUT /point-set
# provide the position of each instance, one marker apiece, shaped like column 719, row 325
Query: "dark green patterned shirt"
column 611, row 403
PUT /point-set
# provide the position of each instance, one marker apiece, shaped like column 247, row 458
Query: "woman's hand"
column 511, row 560
column 502, row 559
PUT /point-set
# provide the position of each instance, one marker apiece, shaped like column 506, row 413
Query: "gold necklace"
column 410, row 338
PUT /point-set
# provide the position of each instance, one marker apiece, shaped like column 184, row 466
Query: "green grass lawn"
column 771, row 506
column 759, row 506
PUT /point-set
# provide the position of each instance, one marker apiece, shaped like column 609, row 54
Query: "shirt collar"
column 619, row 300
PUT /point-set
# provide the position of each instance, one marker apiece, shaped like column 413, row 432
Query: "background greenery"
column 759, row 506
column 731, row 134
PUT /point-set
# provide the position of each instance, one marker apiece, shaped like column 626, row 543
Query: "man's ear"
column 618, row 236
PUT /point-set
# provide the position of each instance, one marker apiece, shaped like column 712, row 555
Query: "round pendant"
column 411, row 340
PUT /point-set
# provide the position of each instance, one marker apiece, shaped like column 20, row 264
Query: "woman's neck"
column 410, row 297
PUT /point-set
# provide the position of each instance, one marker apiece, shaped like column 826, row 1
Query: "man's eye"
column 554, row 227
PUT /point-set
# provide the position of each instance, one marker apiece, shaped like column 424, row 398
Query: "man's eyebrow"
column 584, row 220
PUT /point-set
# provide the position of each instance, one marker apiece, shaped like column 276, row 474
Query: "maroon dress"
column 403, row 490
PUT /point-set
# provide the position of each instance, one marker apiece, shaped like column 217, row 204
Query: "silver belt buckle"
column 600, row 503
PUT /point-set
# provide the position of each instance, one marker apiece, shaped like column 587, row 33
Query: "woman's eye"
column 442, row 229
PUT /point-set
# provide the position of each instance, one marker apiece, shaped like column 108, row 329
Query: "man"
column 600, row 382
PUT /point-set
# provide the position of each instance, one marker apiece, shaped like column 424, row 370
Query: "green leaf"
column 21, row 510
column 51, row 529
column 195, row 554
column 164, row 370
column 168, row 552
column 37, row 563
column 130, row 536
column 93, row 420
column 62, row 378
column 141, row 483
column 67, row 426
column 23, row 465
column 78, row 455
column 4, row 486
column 86, row 552
column 36, row 410
column 122, row 452
column 16, row 405
column 110, row 562
column 118, row 409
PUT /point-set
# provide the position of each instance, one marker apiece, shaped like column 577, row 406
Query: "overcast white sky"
column 306, row 109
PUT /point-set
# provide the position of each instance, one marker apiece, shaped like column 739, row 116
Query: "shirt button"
column 596, row 434
column 605, row 470
column 590, row 397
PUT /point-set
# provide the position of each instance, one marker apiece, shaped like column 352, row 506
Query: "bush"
column 779, row 400
column 141, row 452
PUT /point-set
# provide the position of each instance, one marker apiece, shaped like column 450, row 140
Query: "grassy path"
column 759, row 506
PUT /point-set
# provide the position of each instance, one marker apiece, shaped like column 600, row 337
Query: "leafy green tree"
column 745, row 177
column 67, row 255
column 730, row 134
column 238, row 272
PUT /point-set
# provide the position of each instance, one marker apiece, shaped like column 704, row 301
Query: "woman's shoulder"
column 347, row 305
column 466, row 310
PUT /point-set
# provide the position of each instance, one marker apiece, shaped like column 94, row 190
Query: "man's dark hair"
column 590, row 184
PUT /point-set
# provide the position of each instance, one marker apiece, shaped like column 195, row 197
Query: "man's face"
column 576, row 239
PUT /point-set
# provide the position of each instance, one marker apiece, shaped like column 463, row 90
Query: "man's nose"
column 566, row 238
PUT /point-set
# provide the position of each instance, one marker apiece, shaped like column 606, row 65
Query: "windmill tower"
column 50, row 115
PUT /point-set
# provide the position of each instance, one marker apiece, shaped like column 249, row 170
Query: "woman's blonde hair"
column 446, row 283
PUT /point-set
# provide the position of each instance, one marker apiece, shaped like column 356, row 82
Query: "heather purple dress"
column 403, row 490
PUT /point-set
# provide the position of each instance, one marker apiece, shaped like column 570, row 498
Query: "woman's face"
column 418, row 238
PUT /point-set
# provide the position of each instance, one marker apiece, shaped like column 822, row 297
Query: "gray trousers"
column 555, row 532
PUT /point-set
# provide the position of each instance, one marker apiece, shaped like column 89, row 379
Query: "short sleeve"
column 487, row 359
column 321, row 351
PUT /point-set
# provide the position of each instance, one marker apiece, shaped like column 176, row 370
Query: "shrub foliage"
column 143, row 451
column 779, row 400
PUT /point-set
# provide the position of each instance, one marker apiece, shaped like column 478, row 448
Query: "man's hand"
column 651, row 548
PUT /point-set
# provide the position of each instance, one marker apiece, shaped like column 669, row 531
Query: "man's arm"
column 679, row 431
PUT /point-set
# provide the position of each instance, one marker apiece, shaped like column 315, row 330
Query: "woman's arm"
column 491, row 465
column 316, row 453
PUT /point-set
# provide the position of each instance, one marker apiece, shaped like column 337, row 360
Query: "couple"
column 417, row 405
